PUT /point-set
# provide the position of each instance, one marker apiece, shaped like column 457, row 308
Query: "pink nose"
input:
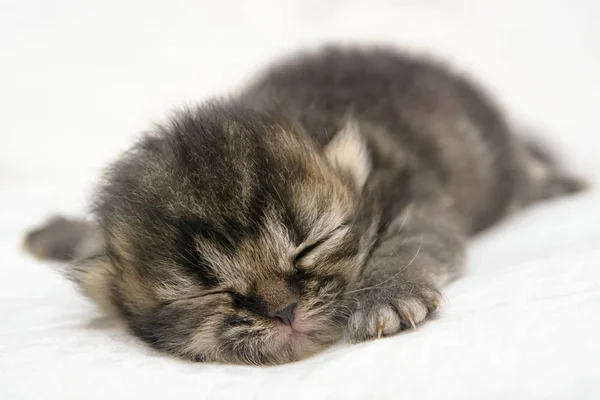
column 286, row 315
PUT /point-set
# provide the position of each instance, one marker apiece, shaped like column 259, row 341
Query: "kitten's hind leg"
column 63, row 239
column 547, row 178
column 422, row 250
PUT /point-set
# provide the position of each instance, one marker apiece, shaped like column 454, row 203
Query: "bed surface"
column 80, row 79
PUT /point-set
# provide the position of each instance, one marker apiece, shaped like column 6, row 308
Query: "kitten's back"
column 415, row 114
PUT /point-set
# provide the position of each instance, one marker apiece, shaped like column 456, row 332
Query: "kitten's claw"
column 412, row 322
column 385, row 313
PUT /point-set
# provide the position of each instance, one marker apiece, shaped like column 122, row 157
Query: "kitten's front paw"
column 387, row 312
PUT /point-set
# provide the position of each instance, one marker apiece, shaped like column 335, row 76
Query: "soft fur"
column 334, row 196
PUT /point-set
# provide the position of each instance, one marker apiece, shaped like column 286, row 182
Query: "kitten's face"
column 235, row 239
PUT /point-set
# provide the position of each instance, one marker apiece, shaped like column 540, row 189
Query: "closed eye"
column 309, row 248
column 198, row 296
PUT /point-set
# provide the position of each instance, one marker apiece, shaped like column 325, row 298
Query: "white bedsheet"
column 79, row 79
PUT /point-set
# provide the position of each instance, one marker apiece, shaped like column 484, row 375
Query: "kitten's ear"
column 78, row 244
column 94, row 275
column 347, row 152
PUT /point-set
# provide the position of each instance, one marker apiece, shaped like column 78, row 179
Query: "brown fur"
column 334, row 196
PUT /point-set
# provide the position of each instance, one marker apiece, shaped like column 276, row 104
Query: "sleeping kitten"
column 332, row 197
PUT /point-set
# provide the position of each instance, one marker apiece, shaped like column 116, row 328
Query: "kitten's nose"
column 286, row 315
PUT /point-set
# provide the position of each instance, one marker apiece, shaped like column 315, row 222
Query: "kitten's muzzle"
column 286, row 315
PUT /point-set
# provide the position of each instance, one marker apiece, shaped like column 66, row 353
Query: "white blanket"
column 79, row 79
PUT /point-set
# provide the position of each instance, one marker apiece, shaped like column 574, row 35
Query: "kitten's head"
column 230, row 237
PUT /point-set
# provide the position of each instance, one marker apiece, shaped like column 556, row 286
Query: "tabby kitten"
column 334, row 196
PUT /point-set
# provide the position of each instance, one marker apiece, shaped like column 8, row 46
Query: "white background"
column 78, row 81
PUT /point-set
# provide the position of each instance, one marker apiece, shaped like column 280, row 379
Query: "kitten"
column 334, row 196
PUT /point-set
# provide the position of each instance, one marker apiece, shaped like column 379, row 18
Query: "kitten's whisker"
column 379, row 285
column 408, row 211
